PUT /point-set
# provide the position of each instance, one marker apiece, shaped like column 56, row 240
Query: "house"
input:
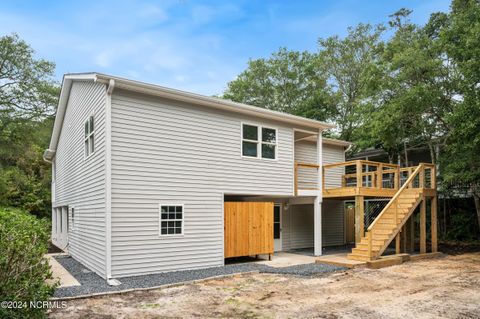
column 148, row 179
column 141, row 174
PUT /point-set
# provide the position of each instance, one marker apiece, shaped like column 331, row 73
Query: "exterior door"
column 277, row 227
column 248, row 228
column 349, row 224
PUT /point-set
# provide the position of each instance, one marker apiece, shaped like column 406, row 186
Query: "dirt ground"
column 447, row 287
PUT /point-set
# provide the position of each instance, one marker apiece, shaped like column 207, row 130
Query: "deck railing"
column 369, row 174
column 359, row 173
column 305, row 176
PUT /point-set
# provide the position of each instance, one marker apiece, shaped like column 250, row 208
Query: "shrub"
column 23, row 267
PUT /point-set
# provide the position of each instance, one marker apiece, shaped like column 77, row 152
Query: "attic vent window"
column 89, row 137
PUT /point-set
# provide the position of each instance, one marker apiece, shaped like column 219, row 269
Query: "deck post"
column 403, row 240
column 423, row 226
column 412, row 234
column 359, row 173
column 397, row 243
column 380, row 176
column 396, row 182
column 317, row 204
column 359, row 218
column 433, row 206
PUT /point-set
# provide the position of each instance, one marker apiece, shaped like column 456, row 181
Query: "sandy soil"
column 447, row 287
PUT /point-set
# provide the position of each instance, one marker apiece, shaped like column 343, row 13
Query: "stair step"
column 358, row 257
column 362, row 246
column 385, row 226
column 378, row 243
column 357, row 251
column 381, row 231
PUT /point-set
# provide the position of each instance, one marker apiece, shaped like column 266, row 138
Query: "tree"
column 461, row 156
column 351, row 66
column 415, row 94
column 288, row 81
column 28, row 96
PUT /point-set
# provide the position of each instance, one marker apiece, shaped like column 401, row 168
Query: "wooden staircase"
column 390, row 221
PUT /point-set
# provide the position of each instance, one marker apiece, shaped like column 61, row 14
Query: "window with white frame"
column 259, row 141
column 171, row 220
column 89, row 137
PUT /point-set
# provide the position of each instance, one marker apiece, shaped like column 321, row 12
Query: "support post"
column 359, row 173
column 380, row 176
column 433, row 206
column 317, row 221
column 295, row 178
column 397, row 243
column 423, row 226
column 403, row 241
column 421, row 177
column 396, row 182
column 359, row 218
column 412, row 233
column 317, row 205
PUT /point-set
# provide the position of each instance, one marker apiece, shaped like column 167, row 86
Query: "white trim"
column 259, row 140
column 86, row 139
column 72, row 212
column 293, row 162
column 280, row 239
column 223, row 227
column 317, row 204
column 108, row 180
column 174, row 220
column 320, row 164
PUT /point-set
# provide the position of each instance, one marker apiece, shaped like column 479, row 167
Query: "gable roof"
column 173, row 94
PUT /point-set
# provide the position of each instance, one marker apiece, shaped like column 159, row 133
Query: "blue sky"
column 192, row 45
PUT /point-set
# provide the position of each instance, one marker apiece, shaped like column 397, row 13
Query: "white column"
column 317, row 205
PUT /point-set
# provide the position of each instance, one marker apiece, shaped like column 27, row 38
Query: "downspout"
column 108, row 184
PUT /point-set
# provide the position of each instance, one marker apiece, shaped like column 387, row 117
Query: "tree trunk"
column 432, row 153
column 406, row 153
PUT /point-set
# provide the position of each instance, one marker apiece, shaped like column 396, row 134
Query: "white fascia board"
column 62, row 105
column 218, row 103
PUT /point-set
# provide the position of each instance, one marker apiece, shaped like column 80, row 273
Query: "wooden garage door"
column 248, row 228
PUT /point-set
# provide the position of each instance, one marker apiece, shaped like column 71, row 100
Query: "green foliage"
column 288, row 81
column 23, row 268
column 28, row 96
column 351, row 65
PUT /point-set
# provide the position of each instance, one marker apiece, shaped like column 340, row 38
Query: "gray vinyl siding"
column 333, row 223
column 333, row 154
column 298, row 230
column 297, row 227
column 332, row 210
column 80, row 181
column 169, row 152
column 306, row 152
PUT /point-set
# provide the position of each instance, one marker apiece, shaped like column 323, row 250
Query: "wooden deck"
column 349, row 192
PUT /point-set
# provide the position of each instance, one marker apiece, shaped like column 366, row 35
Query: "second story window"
column 89, row 137
column 258, row 141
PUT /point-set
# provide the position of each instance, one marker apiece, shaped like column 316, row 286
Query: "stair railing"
column 420, row 168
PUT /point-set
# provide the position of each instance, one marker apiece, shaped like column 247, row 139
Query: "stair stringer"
column 400, row 225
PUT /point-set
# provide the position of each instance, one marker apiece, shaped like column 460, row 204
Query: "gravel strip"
column 91, row 283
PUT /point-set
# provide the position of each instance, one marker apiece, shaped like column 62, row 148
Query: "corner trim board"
column 108, row 180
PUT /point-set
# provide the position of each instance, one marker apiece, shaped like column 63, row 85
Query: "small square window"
column 171, row 219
